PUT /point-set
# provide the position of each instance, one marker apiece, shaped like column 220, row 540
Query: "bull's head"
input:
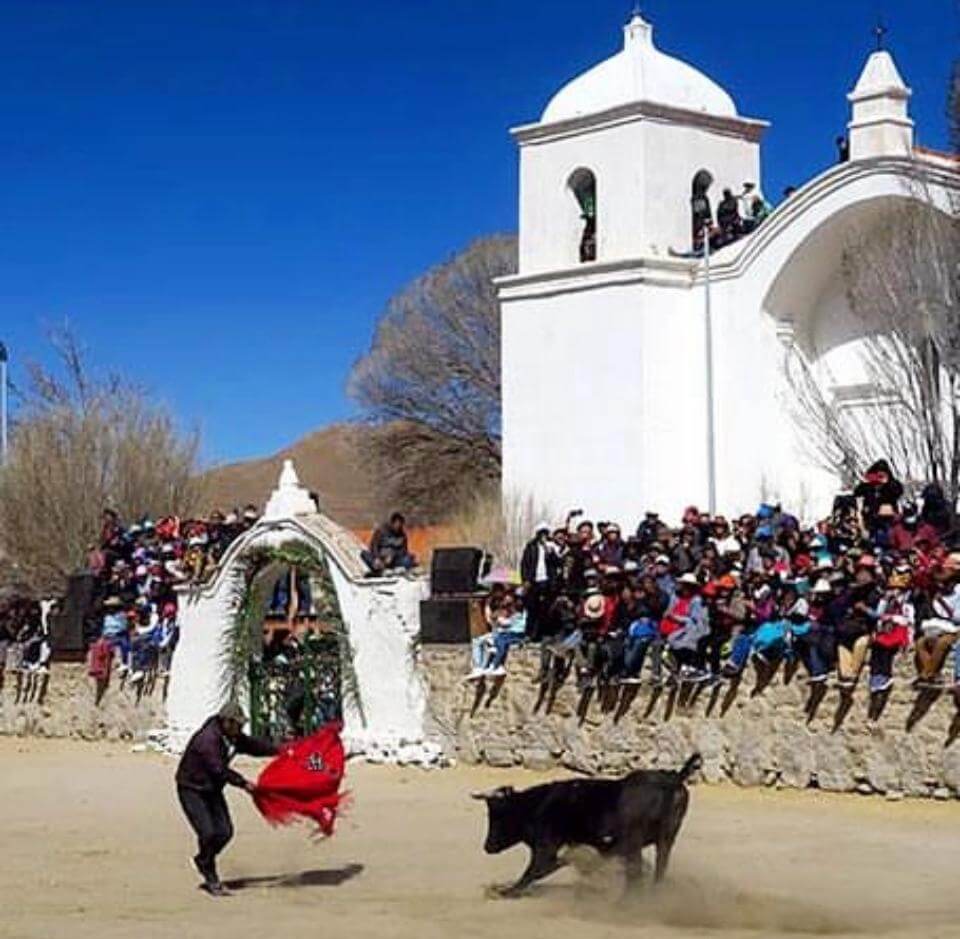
column 504, row 819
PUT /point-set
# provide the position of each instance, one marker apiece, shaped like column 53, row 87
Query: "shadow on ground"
column 331, row 877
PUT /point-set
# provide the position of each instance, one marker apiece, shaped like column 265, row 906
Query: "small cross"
column 880, row 31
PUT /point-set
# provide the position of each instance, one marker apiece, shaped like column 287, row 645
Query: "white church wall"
column 550, row 223
column 600, row 417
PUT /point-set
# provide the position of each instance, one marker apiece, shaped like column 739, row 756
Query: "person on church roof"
column 728, row 218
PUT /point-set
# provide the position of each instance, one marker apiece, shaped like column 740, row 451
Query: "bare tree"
column 902, row 281
column 430, row 383
column 82, row 443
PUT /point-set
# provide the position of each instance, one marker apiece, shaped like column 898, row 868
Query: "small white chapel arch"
column 381, row 618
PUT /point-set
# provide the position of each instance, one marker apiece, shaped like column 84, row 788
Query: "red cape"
column 304, row 781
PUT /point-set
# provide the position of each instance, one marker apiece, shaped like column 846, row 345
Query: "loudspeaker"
column 454, row 570
column 445, row 621
column 67, row 630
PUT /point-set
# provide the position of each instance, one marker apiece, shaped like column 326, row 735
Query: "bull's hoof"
column 502, row 892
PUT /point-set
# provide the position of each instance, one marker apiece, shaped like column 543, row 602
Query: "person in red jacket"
column 203, row 773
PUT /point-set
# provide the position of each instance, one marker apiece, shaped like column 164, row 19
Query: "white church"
column 635, row 379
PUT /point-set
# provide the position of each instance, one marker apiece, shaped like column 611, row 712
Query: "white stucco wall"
column 644, row 167
column 382, row 620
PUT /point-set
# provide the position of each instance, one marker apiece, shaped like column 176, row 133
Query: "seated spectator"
column 388, row 549
column 894, row 630
column 879, row 487
column 855, row 629
column 563, row 642
column 510, row 630
column 684, row 625
column 643, row 632
column 938, row 633
column 815, row 645
column 116, row 630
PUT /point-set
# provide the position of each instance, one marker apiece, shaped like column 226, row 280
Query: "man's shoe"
column 214, row 888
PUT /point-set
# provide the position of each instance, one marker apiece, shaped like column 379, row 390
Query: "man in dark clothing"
column 728, row 217
column 202, row 774
column 388, row 548
column 843, row 149
column 539, row 571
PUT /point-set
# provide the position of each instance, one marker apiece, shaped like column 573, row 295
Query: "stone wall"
column 68, row 708
column 749, row 735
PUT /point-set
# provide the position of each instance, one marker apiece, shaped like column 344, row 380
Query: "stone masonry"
column 69, row 708
column 747, row 734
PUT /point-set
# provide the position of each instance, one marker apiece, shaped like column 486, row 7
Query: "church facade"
column 637, row 376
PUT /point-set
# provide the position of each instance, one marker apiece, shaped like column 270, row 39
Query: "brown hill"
column 327, row 464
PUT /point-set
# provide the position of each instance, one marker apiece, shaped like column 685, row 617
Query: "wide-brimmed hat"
column 822, row 586
column 661, row 559
column 900, row 579
column 689, row 579
column 593, row 606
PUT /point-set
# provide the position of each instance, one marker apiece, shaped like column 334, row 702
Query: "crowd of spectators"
column 736, row 216
column 136, row 570
column 24, row 643
column 701, row 602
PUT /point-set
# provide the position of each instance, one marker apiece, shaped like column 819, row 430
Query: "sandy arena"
column 94, row 846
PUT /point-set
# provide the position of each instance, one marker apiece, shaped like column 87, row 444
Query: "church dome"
column 640, row 72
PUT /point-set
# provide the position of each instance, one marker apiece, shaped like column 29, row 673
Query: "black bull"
column 618, row 817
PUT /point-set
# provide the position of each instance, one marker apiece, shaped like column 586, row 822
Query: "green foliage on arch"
column 251, row 590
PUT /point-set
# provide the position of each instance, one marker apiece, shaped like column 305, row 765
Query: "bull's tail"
column 690, row 767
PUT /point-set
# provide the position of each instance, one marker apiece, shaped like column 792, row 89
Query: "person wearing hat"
column 894, row 628
column 203, row 773
column 609, row 552
column 592, row 614
column 685, row 625
column 539, row 572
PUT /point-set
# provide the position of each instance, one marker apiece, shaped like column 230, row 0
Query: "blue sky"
column 221, row 196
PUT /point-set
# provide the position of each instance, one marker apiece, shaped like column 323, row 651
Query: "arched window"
column 583, row 185
column 700, row 210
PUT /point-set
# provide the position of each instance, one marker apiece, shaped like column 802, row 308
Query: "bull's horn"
column 498, row 793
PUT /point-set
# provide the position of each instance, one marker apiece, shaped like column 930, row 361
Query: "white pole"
column 708, row 342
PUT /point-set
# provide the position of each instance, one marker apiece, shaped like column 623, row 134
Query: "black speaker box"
column 445, row 621
column 454, row 570
column 67, row 629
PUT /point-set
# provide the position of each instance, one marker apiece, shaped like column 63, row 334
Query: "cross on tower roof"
column 880, row 31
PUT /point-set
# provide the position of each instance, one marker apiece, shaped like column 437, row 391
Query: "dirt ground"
column 93, row 845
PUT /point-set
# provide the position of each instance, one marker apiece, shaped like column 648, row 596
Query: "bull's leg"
column 633, row 865
column 668, row 833
column 543, row 862
column 664, row 847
